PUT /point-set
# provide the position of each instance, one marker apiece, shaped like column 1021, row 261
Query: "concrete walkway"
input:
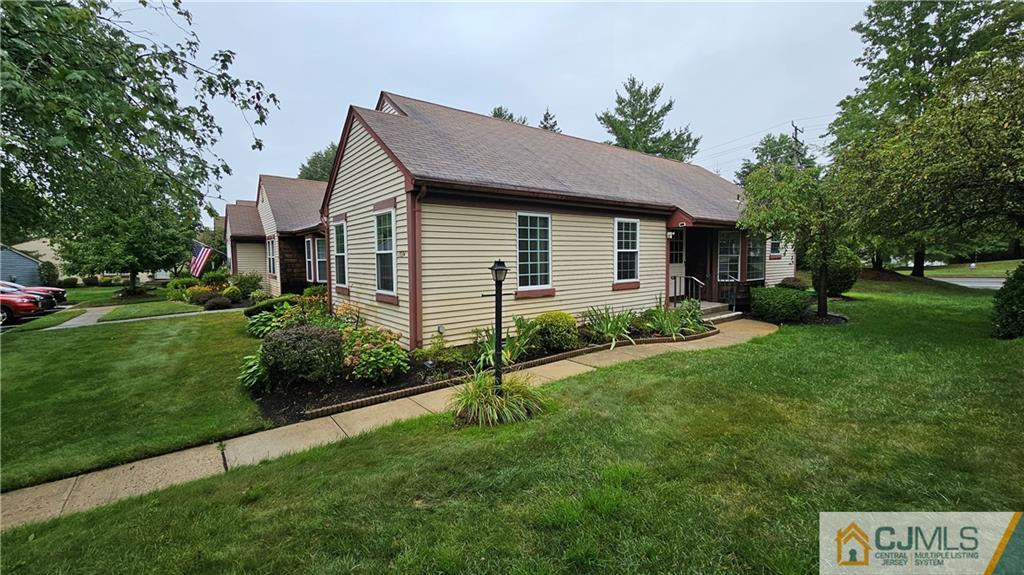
column 90, row 490
column 92, row 316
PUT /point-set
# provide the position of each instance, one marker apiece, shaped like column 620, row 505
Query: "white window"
column 755, row 258
column 340, row 256
column 321, row 260
column 271, row 256
column 728, row 256
column 775, row 247
column 384, row 223
column 309, row 261
column 627, row 250
column 533, row 251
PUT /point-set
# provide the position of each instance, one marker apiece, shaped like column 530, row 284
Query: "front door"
column 677, row 265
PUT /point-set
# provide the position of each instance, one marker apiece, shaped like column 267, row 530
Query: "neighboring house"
column 19, row 267
column 285, row 218
column 423, row 198
column 41, row 249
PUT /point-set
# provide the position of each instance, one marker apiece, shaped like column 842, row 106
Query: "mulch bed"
column 811, row 317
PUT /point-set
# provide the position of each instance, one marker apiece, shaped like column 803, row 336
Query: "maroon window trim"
column 775, row 256
column 625, row 286
column 387, row 298
column 385, row 204
column 534, row 293
column 341, row 291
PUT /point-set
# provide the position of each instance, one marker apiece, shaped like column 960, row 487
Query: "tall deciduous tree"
column 549, row 123
column 503, row 113
column 638, row 121
column 318, row 165
column 774, row 150
column 85, row 90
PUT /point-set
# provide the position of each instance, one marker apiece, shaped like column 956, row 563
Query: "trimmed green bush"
column 557, row 332
column 479, row 403
column 315, row 291
column 778, row 305
column 199, row 295
column 214, row 277
column 217, row 302
column 1008, row 307
column 302, row 354
column 843, row 270
column 232, row 293
column 48, row 275
column 182, row 283
column 269, row 305
column 793, row 283
column 91, row 281
column 68, row 282
column 247, row 283
column 258, row 295
column 443, row 357
column 105, row 280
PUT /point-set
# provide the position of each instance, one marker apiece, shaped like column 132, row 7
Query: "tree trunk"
column 822, row 289
column 133, row 279
column 918, row 270
column 877, row 261
column 1015, row 249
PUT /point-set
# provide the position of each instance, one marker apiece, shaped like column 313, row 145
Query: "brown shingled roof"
column 294, row 202
column 442, row 144
column 244, row 219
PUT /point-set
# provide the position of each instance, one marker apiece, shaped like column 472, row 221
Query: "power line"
column 769, row 128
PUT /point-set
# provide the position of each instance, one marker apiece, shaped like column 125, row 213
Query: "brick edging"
column 434, row 386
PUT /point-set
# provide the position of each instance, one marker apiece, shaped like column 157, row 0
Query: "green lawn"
column 983, row 270
column 46, row 321
column 79, row 399
column 150, row 309
column 701, row 462
column 102, row 296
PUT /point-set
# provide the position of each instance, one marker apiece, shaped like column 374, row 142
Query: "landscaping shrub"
column 214, row 278
column 68, row 282
column 557, row 332
column 317, row 290
column 91, row 281
column 232, row 293
column 254, row 376
column 48, row 275
column 303, row 353
column 604, row 324
column 778, row 305
column 793, row 283
column 269, row 305
column 478, row 402
column 691, row 319
column 258, row 296
column 843, row 270
column 372, row 354
column 105, row 280
column 1008, row 307
column 248, row 283
column 261, row 324
column 350, row 314
column 443, row 357
column 217, row 302
column 182, row 283
column 199, row 295
column 515, row 346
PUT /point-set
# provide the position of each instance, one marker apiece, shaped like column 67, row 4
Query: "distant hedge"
column 778, row 305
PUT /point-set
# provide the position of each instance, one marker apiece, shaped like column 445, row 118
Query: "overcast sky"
column 735, row 71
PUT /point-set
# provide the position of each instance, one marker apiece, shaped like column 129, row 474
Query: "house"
column 423, row 198
column 42, row 249
column 18, row 267
column 279, row 234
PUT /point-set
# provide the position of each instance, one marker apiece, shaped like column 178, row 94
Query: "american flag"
column 200, row 255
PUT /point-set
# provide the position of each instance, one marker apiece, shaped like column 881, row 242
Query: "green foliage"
column 557, row 331
column 199, row 295
column 1008, row 307
column 513, row 347
column 261, row 324
column 843, row 271
column 269, row 304
column 68, row 282
column 214, row 278
column 778, row 305
column 549, row 123
column 319, row 290
column 303, row 354
column 182, row 283
column 606, row 325
column 258, row 296
column 232, row 293
column 774, row 150
column 478, row 402
column 503, row 113
column 217, row 302
column 663, row 321
column 793, row 283
column 319, row 164
column 48, row 274
column 445, row 358
column 638, row 119
column 254, row 375
column 91, row 109
column 90, row 281
column 373, row 354
column 691, row 318
column 247, row 283
column 105, row 281
column 305, row 310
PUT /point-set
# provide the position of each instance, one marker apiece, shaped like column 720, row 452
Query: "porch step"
column 708, row 309
column 724, row 317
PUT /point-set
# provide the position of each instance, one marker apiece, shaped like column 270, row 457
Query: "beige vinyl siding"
column 386, row 107
column 776, row 270
column 252, row 257
column 459, row 243
column 269, row 228
column 366, row 176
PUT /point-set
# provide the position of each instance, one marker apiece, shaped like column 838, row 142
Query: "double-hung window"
column 340, row 256
column 321, row 260
column 384, row 225
column 310, row 274
column 271, row 257
column 775, row 248
column 627, row 250
column 728, row 256
column 533, row 251
column 755, row 258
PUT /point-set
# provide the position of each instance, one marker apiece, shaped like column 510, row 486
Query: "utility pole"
column 796, row 145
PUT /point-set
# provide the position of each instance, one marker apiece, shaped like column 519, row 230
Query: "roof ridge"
column 291, row 178
column 582, row 139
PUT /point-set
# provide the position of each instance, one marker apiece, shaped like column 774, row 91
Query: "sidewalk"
column 89, row 490
column 92, row 316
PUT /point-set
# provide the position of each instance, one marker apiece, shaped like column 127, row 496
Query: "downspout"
column 414, row 218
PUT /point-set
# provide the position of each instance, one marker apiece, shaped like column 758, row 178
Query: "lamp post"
column 498, row 272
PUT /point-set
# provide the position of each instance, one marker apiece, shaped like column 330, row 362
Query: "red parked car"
column 59, row 295
column 15, row 305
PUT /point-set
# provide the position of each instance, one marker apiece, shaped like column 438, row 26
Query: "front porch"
column 714, row 265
